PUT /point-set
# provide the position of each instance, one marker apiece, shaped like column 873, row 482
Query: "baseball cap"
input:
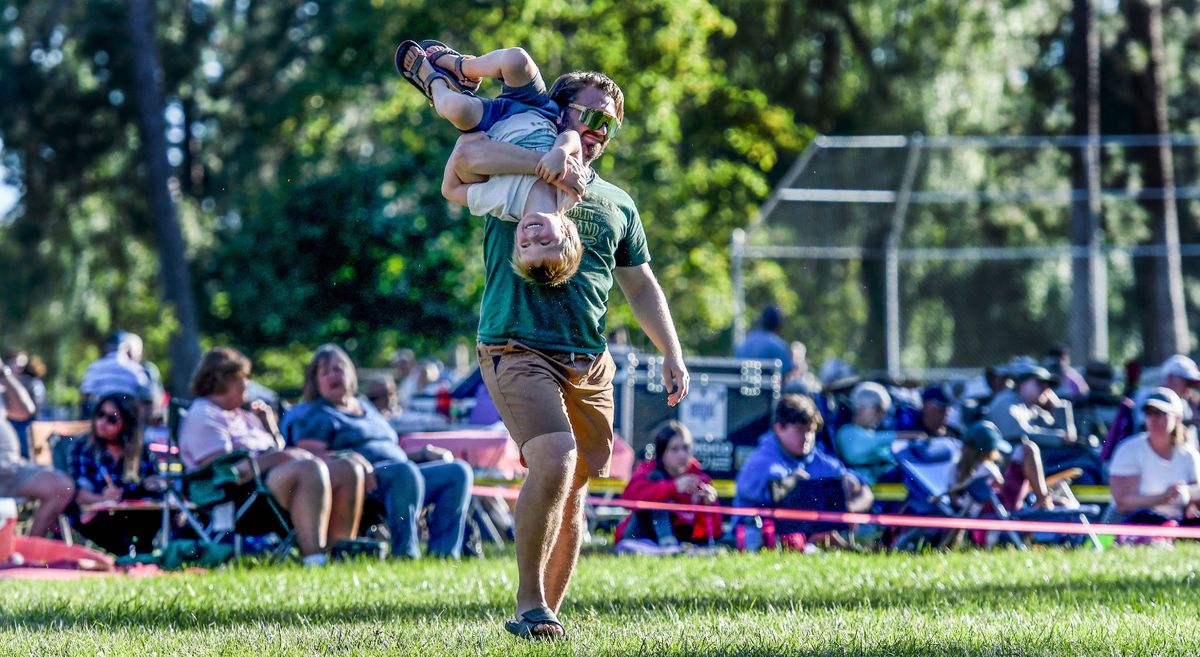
column 1182, row 367
column 935, row 395
column 985, row 436
column 1024, row 371
column 1165, row 400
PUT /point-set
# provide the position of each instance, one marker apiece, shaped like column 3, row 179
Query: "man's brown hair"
column 552, row 271
column 798, row 409
column 217, row 369
column 567, row 87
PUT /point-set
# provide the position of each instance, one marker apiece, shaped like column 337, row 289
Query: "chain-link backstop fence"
column 926, row 256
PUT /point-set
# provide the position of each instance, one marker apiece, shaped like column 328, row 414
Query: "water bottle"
column 443, row 400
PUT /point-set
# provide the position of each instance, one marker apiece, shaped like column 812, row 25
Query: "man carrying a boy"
column 542, row 350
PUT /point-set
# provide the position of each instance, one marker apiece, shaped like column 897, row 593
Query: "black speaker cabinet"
column 727, row 409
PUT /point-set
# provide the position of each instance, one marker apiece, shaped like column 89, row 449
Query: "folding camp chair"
column 215, row 506
column 929, row 482
column 928, row 474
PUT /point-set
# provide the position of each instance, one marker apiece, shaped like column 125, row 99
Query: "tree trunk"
column 177, row 288
column 1089, row 307
column 1160, row 278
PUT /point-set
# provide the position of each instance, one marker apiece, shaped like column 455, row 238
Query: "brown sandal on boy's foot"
column 412, row 72
column 436, row 51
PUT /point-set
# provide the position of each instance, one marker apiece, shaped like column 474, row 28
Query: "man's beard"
column 590, row 153
column 593, row 152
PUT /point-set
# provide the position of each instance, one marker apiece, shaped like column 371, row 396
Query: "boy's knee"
column 464, row 471
column 516, row 59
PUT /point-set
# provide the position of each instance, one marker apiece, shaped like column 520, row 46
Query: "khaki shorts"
column 540, row 392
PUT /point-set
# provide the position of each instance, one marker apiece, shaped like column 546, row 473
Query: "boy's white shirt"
column 504, row 196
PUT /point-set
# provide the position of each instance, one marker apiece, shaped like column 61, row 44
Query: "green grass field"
column 1125, row 601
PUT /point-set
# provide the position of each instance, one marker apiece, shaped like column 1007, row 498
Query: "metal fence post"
column 737, row 251
column 892, row 255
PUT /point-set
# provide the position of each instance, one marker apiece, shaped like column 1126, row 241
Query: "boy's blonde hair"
column 552, row 271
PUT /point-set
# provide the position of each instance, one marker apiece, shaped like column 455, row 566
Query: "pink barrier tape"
column 886, row 520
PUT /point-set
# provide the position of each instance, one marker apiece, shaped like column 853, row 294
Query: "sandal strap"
column 440, row 51
column 541, row 616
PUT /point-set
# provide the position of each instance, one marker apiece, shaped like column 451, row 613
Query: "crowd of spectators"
column 334, row 460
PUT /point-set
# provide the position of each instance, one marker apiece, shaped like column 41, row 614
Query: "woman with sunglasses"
column 110, row 465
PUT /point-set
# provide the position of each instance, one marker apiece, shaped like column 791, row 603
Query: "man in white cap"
column 1180, row 374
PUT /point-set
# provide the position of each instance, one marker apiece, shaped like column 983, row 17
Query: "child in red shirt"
column 672, row 476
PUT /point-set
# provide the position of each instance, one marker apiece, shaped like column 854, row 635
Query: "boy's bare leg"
column 539, row 514
column 512, row 65
column 565, row 552
column 462, row 111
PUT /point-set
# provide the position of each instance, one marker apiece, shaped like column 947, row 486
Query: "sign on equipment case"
column 727, row 408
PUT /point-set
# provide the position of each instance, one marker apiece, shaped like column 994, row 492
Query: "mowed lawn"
column 1125, row 601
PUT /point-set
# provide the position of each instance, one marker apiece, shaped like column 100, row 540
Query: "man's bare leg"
column 565, row 552
column 539, row 514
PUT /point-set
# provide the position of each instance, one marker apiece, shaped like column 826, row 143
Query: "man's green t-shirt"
column 569, row 317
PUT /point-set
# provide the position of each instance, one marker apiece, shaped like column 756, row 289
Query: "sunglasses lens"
column 599, row 121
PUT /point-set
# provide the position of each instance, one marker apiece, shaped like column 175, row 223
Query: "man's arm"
column 484, row 157
column 1019, row 425
column 456, row 178
column 16, row 399
column 649, row 306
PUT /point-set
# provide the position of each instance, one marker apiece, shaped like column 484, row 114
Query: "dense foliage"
column 307, row 171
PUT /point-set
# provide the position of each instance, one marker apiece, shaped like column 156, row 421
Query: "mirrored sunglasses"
column 597, row 120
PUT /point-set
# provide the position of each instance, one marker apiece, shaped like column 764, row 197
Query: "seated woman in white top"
column 1155, row 476
column 323, row 500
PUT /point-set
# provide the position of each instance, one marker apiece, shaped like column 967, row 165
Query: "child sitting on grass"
column 547, row 248
column 673, row 475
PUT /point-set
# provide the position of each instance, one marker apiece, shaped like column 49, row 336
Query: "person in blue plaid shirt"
column 111, row 464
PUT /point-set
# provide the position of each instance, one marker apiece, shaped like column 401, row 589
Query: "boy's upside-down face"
column 540, row 237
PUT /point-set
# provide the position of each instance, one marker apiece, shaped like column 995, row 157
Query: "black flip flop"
column 522, row 626
column 441, row 50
